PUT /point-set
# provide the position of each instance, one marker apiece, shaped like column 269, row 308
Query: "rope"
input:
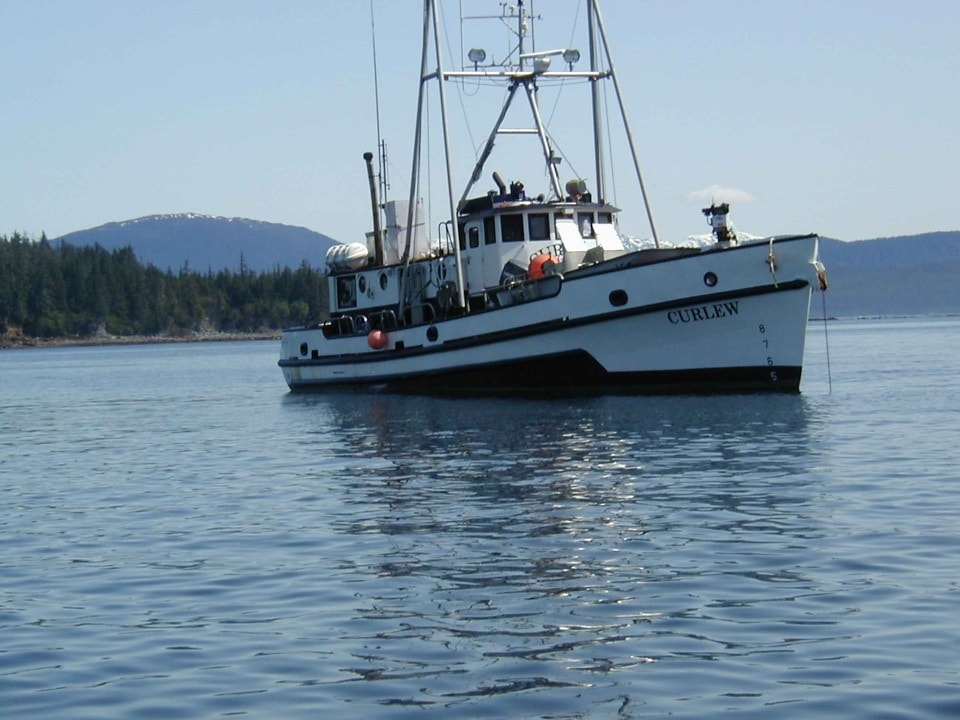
column 822, row 277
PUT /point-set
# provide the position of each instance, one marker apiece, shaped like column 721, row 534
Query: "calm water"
column 183, row 538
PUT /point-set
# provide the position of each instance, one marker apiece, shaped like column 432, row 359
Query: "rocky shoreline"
column 14, row 341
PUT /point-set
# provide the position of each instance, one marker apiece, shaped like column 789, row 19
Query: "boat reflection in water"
column 547, row 544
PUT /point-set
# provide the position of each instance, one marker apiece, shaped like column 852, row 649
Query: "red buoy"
column 542, row 264
column 377, row 339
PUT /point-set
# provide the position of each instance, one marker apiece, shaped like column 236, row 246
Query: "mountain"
column 208, row 243
column 909, row 275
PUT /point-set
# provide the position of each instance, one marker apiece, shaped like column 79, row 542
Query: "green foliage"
column 60, row 290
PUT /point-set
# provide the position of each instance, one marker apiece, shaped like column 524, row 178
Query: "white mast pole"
column 626, row 123
column 595, row 102
column 488, row 148
column 544, row 142
column 415, row 165
column 446, row 149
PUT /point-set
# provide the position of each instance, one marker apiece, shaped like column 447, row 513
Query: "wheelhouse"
column 504, row 241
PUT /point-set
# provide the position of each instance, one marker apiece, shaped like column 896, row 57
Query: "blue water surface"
column 183, row 538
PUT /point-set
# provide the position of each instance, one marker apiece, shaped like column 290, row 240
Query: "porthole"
column 362, row 284
column 383, row 281
column 303, row 348
column 618, row 298
column 710, row 279
column 432, row 333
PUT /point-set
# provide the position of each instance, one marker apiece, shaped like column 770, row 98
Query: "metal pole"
column 595, row 101
column 446, row 148
column 375, row 206
column 544, row 143
column 488, row 148
column 626, row 122
column 415, row 165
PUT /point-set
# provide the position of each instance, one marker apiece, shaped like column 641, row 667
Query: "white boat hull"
column 722, row 320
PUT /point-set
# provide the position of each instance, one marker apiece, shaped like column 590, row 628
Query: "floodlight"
column 477, row 56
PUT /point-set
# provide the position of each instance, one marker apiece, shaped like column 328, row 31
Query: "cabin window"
column 539, row 226
column 511, row 228
column 473, row 235
column 489, row 230
column 585, row 223
column 347, row 291
column 605, row 218
column 462, row 232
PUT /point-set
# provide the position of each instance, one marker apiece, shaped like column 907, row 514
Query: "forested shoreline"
column 54, row 290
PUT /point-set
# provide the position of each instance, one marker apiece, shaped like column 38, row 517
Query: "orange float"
column 377, row 339
column 541, row 265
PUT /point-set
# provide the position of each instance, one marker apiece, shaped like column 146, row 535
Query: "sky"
column 829, row 116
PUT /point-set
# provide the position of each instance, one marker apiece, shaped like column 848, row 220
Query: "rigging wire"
column 610, row 165
column 449, row 50
column 459, row 83
column 570, row 44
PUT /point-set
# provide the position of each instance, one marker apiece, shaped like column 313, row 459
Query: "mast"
column 381, row 145
column 595, row 102
column 431, row 23
column 595, row 7
column 415, row 165
column 488, row 147
column 520, row 31
column 531, row 88
column 516, row 74
column 528, row 79
column 454, row 225
column 530, row 85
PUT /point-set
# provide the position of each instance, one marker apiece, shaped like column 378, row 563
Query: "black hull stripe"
column 539, row 328
column 577, row 372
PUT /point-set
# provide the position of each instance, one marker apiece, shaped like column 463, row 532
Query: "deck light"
column 571, row 56
column 477, row 56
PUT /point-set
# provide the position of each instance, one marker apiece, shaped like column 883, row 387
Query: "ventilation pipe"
column 375, row 206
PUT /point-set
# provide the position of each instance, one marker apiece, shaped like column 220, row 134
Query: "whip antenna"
column 381, row 148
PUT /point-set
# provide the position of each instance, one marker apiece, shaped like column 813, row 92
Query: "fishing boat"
column 539, row 291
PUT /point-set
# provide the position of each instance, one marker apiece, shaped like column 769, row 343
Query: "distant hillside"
column 912, row 275
column 208, row 243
